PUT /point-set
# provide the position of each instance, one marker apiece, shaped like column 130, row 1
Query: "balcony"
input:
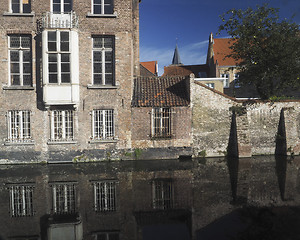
column 61, row 20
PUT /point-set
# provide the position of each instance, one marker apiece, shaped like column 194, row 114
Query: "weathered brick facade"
column 123, row 26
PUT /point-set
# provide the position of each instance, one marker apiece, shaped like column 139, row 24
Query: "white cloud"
column 194, row 53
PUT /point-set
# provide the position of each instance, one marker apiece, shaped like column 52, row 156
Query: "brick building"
column 67, row 74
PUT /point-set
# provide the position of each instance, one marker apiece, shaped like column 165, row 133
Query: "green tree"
column 267, row 50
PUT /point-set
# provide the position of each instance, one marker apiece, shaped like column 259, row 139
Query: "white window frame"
column 21, row 200
column 63, row 198
column 19, row 126
column 103, row 124
column 102, row 7
column 21, row 3
column 105, row 196
column 226, row 79
column 161, row 123
column 62, row 10
column 62, row 125
column 162, row 193
column 103, row 50
column 58, row 53
column 21, row 50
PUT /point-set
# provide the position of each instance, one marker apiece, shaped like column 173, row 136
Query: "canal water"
column 205, row 198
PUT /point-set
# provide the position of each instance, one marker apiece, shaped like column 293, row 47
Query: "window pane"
column 26, row 68
column 27, row 80
column 97, row 1
column 52, row 58
column 108, row 68
column 97, row 78
column 65, row 57
column 97, row 9
column 97, row 68
column 26, row 6
column 108, row 42
column 108, row 56
column 67, row 6
column 15, row 67
column 15, row 80
column 97, row 56
column 108, row 9
column 15, row 6
column 51, row 41
column 14, row 56
column 52, row 68
column 52, row 78
column 97, row 43
column 65, row 78
column 108, row 79
column 26, row 56
column 14, row 41
column 25, row 42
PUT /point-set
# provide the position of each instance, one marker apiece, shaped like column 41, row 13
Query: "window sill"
column 18, row 88
column 161, row 138
column 102, row 87
column 9, row 14
column 19, row 143
column 104, row 141
column 61, row 142
column 92, row 15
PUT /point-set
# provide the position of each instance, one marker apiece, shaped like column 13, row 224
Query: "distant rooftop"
column 221, row 49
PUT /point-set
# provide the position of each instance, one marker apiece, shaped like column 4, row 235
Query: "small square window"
column 161, row 123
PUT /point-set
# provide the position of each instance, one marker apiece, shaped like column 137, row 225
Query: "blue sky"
column 190, row 22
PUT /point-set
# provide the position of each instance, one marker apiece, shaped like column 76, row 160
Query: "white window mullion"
column 93, row 124
column 103, row 125
column 52, row 125
column 54, row 198
column 65, row 198
column 23, row 201
column 21, row 67
column 12, row 194
column 63, row 124
column 95, row 196
column 102, row 6
column 9, row 122
column 20, row 115
column 103, row 66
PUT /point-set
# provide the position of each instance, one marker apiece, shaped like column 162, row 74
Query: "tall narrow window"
column 20, row 60
column 162, row 192
column 105, row 196
column 20, row 6
column 62, row 126
column 236, row 80
column 21, row 200
column 103, row 124
column 226, row 79
column 103, row 7
column 19, row 129
column 64, row 198
column 59, row 64
column 103, row 60
column 61, row 6
column 161, row 122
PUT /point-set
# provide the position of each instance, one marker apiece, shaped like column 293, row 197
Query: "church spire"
column 176, row 58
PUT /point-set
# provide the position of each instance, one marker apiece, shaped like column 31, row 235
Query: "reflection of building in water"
column 135, row 199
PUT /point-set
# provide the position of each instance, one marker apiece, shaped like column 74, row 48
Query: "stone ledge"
column 9, row 14
column 18, row 88
column 103, row 141
column 92, row 15
column 18, row 143
column 61, row 142
column 101, row 87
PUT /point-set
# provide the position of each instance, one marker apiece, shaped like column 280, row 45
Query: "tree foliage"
column 267, row 50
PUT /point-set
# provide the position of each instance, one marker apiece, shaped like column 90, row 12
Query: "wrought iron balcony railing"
column 60, row 20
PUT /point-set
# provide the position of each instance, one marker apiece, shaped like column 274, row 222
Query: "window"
column 63, row 195
column 105, row 196
column 226, row 80
column 107, row 236
column 21, row 200
column 59, row 57
column 161, row 122
column 20, row 60
column 103, row 60
column 211, row 85
column 20, row 6
column 18, row 126
column 61, row 6
column 236, row 80
column 162, row 194
column 103, row 124
column 102, row 7
column 62, row 126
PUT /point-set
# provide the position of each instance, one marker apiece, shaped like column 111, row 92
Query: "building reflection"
column 126, row 199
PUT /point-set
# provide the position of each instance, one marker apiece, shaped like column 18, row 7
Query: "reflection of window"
column 20, row 6
column 202, row 74
column 61, row 6
column 63, row 198
column 226, row 80
column 161, row 122
column 103, row 60
column 20, row 60
column 62, row 126
column 105, row 196
column 162, row 192
column 102, row 124
column 236, row 80
column 211, row 85
column 18, row 126
column 107, row 236
column 102, row 7
column 21, row 200
column 59, row 57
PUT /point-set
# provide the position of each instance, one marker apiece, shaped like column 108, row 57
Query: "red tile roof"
column 221, row 49
column 185, row 70
column 161, row 92
column 151, row 66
